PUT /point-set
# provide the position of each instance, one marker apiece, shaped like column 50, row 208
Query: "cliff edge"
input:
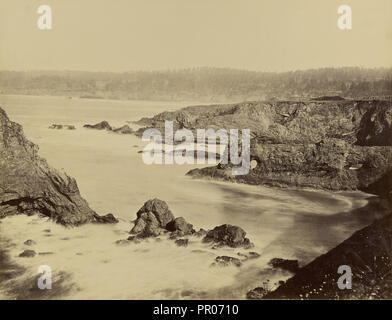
column 29, row 185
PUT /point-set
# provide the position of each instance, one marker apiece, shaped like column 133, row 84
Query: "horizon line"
column 167, row 70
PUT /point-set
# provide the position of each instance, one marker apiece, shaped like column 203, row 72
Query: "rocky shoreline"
column 294, row 144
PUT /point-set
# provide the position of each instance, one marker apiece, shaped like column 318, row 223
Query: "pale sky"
column 126, row 35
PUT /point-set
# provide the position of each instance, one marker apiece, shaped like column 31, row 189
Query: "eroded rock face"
column 228, row 235
column 29, row 185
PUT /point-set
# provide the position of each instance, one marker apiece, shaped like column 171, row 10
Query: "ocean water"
column 86, row 262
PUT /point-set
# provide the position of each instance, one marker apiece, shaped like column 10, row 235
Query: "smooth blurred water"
column 111, row 175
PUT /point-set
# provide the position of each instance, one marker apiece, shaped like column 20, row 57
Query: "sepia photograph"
column 199, row 150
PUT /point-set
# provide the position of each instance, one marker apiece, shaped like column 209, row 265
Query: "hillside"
column 201, row 84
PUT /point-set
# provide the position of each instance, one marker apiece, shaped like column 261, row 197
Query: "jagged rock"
column 134, row 239
column 160, row 209
column 250, row 255
column 103, row 125
column 147, row 225
column 29, row 185
column 27, row 254
column 180, row 224
column 122, row 242
column 152, row 218
column 285, row 264
column 29, row 242
column 182, row 242
column 228, row 235
column 125, row 129
column 107, row 218
column 225, row 261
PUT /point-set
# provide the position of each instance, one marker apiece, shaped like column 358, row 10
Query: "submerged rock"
column 250, row 255
column 61, row 126
column 122, row 242
column 29, row 242
column 225, row 261
column 27, row 254
column 285, row 264
column 29, row 185
column 228, row 235
column 103, row 125
column 182, row 242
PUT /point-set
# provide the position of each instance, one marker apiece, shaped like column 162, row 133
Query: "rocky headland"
column 29, row 185
column 328, row 144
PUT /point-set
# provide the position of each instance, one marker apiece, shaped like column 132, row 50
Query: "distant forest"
column 202, row 84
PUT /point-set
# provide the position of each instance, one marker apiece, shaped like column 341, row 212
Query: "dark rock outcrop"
column 28, row 254
column 155, row 217
column 29, row 185
column 368, row 252
column 228, row 235
column 103, row 125
column 285, row 264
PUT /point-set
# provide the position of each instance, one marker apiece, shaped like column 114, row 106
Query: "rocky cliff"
column 336, row 145
column 368, row 252
column 29, row 185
